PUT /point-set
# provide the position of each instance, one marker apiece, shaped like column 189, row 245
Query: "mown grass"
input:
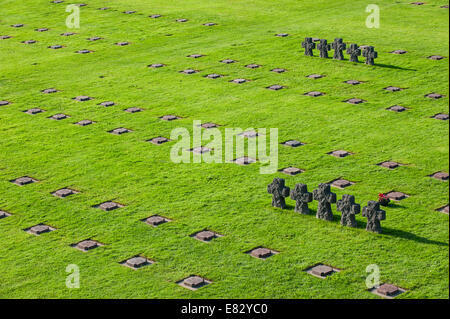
column 232, row 200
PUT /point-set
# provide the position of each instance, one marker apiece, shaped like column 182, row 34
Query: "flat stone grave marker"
column 84, row 51
column 339, row 153
column 169, row 117
column 156, row 65
column 82, row 4
column 228, row 61
column 158, row 140
column 82, row 98
column 321, row 271
column 443, row 209
column 393, row 89
column 209, row 125
column 245, row 160
column 387, row 291
column 137, row 262
column 315, row 76
column 4, row 37
column 182, row 20
column 108, row 206
column 129, row 12
column 155, row 16
column 205, row 235
column 3, row 103
column 441, row 116
column 49, row 91
column 55, row 47
column 200, row 150
column 389, row 164
column 239, row 81
column 41, row 29
column 213, row 76
column 293, row 143
column 156, row 220
column 442, row 176
column 398, row 52
column 341, row 183
column 122, row 43
column 397, row 196
column 355, row 101
column 314, row 93
column 103, row 8
column 195, row 56
column 4, row 214
column 84, row 123
column 25, row 180
column 278, row 70
column 189, row 71
column 94, row 38
column 64, row 192
column 249, row 134
column 34, row 111
column 120, row 131
column 17, row 25
column 209, row 24
column 418, row 3
column 282, row 35
column 133, row 110
column 353, row 82
column 107, row 103
column 434, row 96
column 39, row 229
column 29, row 41
column 193, row 282
column 253, row 66
column 291, row 170
column 261, row 252
column 59, row 117
column 445, row 6
column 67, row 34
column 397, row 108
column 275, row 87
column 57, row 1
column 86, row 245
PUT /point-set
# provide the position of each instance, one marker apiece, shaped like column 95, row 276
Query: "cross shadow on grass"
column 393, row 67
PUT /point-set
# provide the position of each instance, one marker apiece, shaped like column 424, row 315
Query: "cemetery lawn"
column 232, row 200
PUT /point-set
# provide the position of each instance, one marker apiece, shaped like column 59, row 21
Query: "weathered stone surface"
column 239, row 81
column 245, row 160
column 339, row 153
column 49, row 91
column 388, row 290
column 205, row 235
column 84, row 51
column 279, row 191
column 88, row 244
column 194, row 282
column 122, row 43
column 17, row 25
column 29, row 41
column 393, row 89
column 389, row 164
column 84, row 123
column 169, row 117
column 308, row 45
column 341, row 183
column 94, row 38
column 315, row 76
column 441, row 116
column 4, row 214
column 209, row 125
column 119, row 131
column 252, row 66
column 155, row 16
column 323, row 48
column 261, row 253
column 278, row 70
column 349, row 209
column 25, row 180
column 291, row 171
column 108, row 206
column 39, row 229
column 67, row 34
column 325, row 198
column 275, row 87
column 107, row 103
column 64, row 192
column 189, row 71
column 3, row 103
column 195, row 56
column 396, row 195
column 443, row 209
column 82, row 98
column 249, row 134
column 314, row 93
column 156, row 220
column 418, row 3
column 56, row 46
column 302, row 197
column 354, row 52
column 228, row 61
column 338, row 46
column 282, row 35
column 4, row 37
column 34, row 111
column 209, row 24
column 156, row 65
column 59, row 117
column 398, row 52
column 137, row 262
column 41, row 29
column 293, row 143
column 370, row 54
column 353, row 82
column 374, row 215
column 434, row 96
column 182, row 20
column 133, row 110
column 443, row 176
column 213, row 76
column 397, row 108
column 103, row 8
column 355, row 101
column 129, row 12
column 322, row 270
column 158, row 140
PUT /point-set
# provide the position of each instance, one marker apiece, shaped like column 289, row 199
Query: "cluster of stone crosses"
column 353, row 50
column 325, row 198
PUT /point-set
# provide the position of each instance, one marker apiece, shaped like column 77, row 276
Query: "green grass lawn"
column 230, row 199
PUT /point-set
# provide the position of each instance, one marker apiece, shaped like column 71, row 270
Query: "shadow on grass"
column 393, row 67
